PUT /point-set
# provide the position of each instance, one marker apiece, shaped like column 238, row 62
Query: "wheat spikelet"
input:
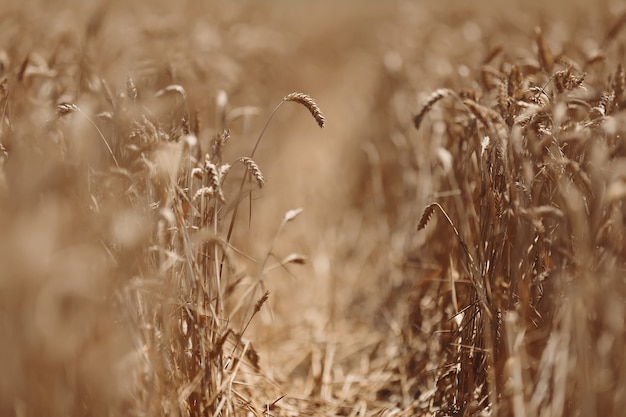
column 566, row 80
column 434, row 97
column 543, row 50
column 260, row 302
column 203, row 192
column 308, row 102
column 254, row 170
column 131, row 89
column 197, row 173
column 66, row 108
column 4, row 88
column 214, row 179
column 426, row 216
column 218, row 143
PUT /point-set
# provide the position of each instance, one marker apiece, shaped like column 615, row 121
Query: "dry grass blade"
column 308, row 102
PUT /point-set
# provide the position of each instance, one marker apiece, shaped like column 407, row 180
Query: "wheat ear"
column 308, row 102
column 433, row 98
column 254, row 170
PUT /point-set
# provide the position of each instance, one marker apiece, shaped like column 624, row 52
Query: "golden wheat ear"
column 308, row 102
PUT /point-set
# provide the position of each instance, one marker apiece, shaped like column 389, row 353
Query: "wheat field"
column 401, row 208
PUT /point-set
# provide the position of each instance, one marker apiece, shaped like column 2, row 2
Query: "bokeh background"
column 330, row 326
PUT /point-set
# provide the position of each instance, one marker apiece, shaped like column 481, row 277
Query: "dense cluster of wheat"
column 529, row 238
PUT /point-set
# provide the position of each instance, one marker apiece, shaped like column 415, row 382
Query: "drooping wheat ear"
column 308, row 102
column 254, row 170
column 433, row 98
column 426, row 215
column 543, row 51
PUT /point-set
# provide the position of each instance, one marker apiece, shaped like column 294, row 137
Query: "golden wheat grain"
column 308, row 102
